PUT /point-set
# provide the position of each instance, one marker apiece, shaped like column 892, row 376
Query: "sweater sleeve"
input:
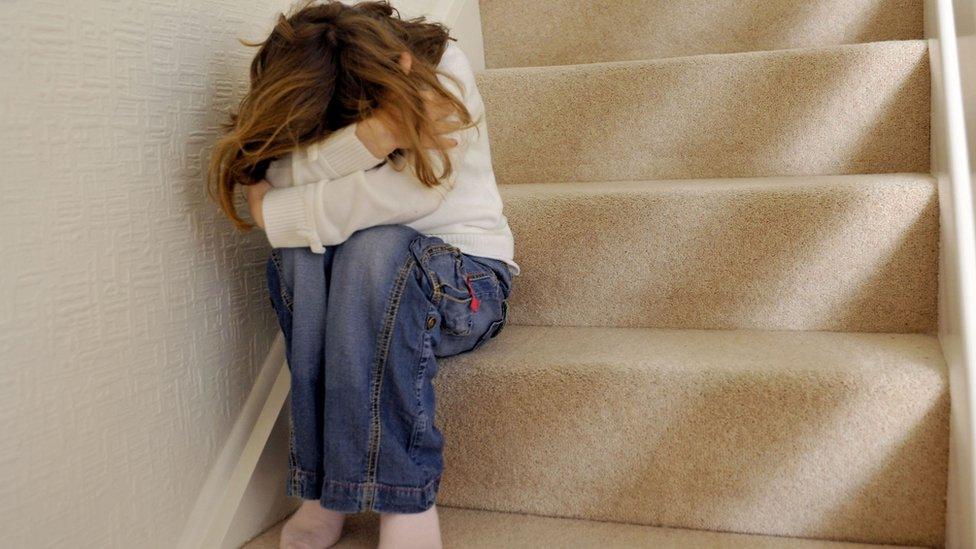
column 329, row 211
column 340, row 154
column 325, row 192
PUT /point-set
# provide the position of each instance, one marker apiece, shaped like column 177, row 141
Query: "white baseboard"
column 221, row 494
column 264, row 503
column 957, row 268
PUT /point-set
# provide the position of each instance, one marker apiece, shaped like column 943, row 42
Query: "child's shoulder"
column 455, row 61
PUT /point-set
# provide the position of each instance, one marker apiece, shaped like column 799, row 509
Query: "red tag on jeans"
column 474, row 299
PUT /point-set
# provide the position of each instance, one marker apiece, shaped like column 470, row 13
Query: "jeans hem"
column 303, row 484
column 348, row 497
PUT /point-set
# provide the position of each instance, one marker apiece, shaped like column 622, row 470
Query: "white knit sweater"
column 330, row 189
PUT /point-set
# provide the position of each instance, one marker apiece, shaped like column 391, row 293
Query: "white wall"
column 413, row 8
column 133, row 317
column 461, row 16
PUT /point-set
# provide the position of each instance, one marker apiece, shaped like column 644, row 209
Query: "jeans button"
column 431, row 321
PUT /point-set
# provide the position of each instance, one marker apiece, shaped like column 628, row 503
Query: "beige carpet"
column 806, row 434
column 774, row 210
column 853, row 253
column 565, row 32
column 844, row 109
column 470, row 529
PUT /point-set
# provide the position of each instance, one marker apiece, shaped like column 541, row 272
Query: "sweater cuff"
column 285, row 220
column 343, row 153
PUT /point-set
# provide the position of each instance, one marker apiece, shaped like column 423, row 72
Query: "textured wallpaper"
column 134, row 317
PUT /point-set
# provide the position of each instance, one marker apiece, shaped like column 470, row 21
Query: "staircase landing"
column 472, row 529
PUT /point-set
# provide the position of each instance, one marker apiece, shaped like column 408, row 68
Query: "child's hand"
column 255, row 198
column 382, row 133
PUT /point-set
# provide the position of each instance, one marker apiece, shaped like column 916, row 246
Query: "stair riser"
column 854, row 109
column 847, row 253
column 563, row 32
column 839, row 453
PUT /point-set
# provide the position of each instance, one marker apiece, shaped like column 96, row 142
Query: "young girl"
column 362, row 149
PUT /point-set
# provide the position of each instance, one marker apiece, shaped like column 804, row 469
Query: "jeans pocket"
column 499, row 281
column 451, row 294
column 455, row 312
column 495, row 327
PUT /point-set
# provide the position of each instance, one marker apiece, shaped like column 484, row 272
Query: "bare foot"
column 410, row 530
column 312, row 527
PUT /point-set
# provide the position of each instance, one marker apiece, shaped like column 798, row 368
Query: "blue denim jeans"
column 364, row 324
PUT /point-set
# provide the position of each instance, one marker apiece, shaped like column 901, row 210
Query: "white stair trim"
column 957, row 314
column 225, row 486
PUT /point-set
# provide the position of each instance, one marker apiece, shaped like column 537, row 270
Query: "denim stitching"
column 474, row 277
column 379, row 365
column 381, row 486
column 438, row 249
column 456, row 299
column 285, row 296
column 427, row 355
column 420, row 423
column 429, row 251
column 293, row 481
column 296, row 473
column 437, row 283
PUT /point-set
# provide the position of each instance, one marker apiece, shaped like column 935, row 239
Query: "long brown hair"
column 323, row 67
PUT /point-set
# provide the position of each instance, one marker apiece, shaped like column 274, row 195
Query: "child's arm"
column 329, row 211
column 340, row 154
column 336, row 193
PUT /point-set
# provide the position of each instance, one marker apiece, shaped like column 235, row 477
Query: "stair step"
column 846, row 253
column 838, row 110
column 473, row 529
column 805, row 434
column 562, row 32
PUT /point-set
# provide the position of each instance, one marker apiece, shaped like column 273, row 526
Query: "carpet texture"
column 773, row 211
column 838, row 110
column 564, row 32
column 851, row 253
column 471, row 529
column 805, row 434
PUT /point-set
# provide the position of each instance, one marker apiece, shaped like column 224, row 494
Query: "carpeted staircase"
column 729, row 245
